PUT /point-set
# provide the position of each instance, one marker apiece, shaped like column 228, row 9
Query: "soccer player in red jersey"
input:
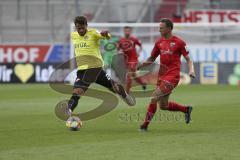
column 127, row 45
column 170, row 48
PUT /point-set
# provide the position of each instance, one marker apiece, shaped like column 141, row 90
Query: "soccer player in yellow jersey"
column 90, row 63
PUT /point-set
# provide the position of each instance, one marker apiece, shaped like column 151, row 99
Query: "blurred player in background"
column 109, row 51
column 170, row 48
column 89, row 61
column 127, row 45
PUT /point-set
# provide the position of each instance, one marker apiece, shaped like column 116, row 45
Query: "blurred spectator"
column 177, row 18
column 215, row 4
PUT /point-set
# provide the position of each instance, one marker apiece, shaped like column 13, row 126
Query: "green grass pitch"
column 29, row 129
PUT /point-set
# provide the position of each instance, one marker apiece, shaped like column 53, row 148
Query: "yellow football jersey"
column 87, row 49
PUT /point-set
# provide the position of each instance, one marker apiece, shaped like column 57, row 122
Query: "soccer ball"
column 74, row 123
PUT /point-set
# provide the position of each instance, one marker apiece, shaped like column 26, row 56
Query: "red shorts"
column 167, row 83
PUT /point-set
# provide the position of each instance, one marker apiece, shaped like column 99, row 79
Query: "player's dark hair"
column 80, row 20
column 168, row 22
column 127, row 27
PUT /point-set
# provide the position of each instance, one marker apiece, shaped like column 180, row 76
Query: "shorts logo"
column 108, row 77
column 78, row 79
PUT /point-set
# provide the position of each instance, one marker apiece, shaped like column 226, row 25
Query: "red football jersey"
column 170, row 51
column 128, row 46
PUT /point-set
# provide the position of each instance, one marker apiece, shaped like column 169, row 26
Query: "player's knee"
column 163, row 105
column 154, row 100
column 78, row 91
column 157, row 93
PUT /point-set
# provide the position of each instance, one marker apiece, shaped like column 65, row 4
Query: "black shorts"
column 92, row 75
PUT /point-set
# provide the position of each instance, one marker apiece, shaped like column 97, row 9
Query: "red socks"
column 150, row 113
column 176, row 107
column 139, row 81
column 153, row 107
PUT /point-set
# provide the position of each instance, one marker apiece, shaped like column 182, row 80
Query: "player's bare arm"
column 140, row 48
column 149, row 61
column 191, row 71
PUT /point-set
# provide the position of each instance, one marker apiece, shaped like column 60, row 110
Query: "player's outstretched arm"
column 139, row 44
column 190, row 66
column 149, row 61
column 139, row 51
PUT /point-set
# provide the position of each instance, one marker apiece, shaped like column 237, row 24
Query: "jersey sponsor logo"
column 166, row 51
column 81, row 45
column 126, row 45
column 110, row 46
